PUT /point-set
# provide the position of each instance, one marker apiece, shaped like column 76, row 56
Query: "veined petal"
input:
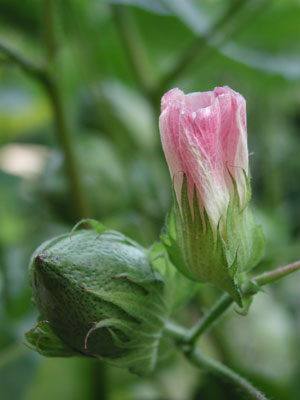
column 204, row 136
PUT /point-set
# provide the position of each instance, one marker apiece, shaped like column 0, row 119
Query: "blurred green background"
column 82, row 140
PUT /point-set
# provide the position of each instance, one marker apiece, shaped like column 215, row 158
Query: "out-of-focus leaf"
column 22, row 110
column 155, row 6
column 103, row 179
column 16, row 375
column 133, row 111
column 272, row 325
column 187, row 11
column 288, row 66
column 25, row 17
column 68, row 379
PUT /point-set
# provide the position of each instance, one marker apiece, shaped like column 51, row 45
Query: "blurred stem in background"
column 206, row 45
column 49, row 32
column 61, row 121
column 63, row 132
column 100, row 383
column 135, row 50
column 90, row 69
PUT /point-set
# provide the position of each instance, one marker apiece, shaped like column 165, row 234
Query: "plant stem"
column 62, row 129
column 100, row 382
column 134, row 49
column 27, row 65
column 65, row 140
column 183, row 336
column 217, row 311
column 61, row 122
column 176, row 332
column 275, row 274
column 49, row 36
column 221, row 370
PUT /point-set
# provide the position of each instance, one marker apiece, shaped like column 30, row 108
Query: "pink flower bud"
column 204, row 136
column 210, row 234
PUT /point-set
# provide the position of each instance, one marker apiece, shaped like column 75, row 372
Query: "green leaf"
column 192, row 15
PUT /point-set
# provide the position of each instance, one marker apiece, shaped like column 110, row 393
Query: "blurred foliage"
column 112, row 97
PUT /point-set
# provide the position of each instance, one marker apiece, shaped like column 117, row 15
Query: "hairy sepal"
column 195, row 250
column 244, row 238
column 216, row 256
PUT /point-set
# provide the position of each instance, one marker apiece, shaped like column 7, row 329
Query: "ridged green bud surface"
column 98, row 297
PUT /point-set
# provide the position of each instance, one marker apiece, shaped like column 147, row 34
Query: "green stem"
column 49, row 36
column 65, row 140
column 217, row 311
column 181, row 335
column 275, row 274
column 62, row 128
column 27, row 65
column 100, row 382
column 134, row 49
column 221, row 370
column 176, row 332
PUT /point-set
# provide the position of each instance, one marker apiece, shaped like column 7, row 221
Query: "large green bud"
column 98, row 297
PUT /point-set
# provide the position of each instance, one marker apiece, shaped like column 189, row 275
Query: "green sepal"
column 44, row 341
column 244, row 239
column 138, row 334
column 218, row 255
column 195, row 250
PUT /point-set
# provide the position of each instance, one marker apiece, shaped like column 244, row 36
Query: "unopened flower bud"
column 98, row 297
column 211, row 234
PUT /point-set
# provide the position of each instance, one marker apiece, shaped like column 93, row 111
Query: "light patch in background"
column 25, row 160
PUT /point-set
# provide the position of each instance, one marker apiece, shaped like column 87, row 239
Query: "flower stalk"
column 221, row 370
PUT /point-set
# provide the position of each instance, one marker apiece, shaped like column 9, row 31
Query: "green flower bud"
column 98, row 297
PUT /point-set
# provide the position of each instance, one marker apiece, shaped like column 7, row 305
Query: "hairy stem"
column 183, row 336
column 222, row 371
column 217, row 311
column 275, row 274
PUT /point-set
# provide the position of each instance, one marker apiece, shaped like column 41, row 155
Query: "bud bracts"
column 100, row 297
